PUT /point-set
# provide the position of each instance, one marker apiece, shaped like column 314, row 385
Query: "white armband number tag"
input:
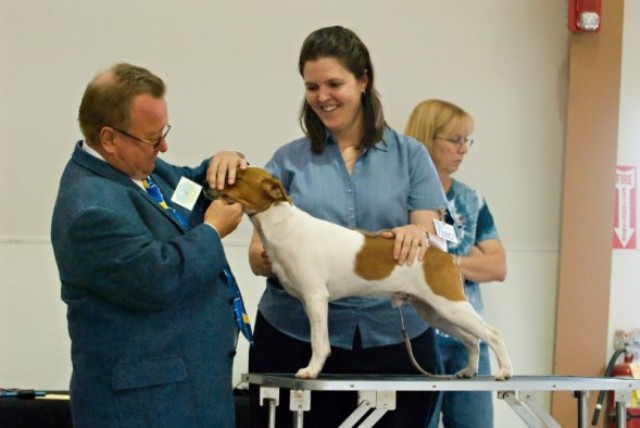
column 445, row 231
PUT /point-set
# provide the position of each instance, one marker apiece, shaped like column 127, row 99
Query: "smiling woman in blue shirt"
column 351, row 169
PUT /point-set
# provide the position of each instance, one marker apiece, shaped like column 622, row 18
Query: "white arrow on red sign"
column 625, row 205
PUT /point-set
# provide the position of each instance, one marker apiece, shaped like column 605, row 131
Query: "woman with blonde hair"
column 445, row 129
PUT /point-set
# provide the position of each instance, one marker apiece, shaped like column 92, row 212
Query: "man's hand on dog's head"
column 223, row 168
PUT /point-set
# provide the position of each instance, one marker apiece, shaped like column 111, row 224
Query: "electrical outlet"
column 620, row 340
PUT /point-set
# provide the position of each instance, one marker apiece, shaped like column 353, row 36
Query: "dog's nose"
column 210, row 193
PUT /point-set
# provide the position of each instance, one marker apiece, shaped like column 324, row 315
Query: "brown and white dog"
column 317, row 262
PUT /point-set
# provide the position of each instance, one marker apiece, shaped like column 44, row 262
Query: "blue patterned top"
column 473, row 224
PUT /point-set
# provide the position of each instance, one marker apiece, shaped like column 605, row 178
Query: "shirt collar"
column 93, row 152
column 380, row 145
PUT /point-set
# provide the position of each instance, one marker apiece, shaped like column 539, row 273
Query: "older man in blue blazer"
column 150, row 314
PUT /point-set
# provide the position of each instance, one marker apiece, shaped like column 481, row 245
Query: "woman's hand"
column 258, row 258
column 266, row 264
column 410, row 241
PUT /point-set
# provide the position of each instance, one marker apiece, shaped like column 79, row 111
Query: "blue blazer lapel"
column 102, row 168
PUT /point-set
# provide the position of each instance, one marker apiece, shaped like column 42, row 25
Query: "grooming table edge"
column 377, row 392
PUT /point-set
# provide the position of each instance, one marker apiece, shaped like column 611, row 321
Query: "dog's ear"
column 274, row 188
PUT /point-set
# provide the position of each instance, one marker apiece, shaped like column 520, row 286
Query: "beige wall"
column 585, row 248
column 232, row 82
column 625, row 283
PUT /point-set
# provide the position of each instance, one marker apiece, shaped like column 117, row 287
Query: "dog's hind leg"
column 493, row 338
column 469, row 321
column 470, row 341
column 316, row 308
column 463, row 322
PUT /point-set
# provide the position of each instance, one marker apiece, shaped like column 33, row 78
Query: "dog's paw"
column 503, row 374
column 467, row 372
column 307, row 373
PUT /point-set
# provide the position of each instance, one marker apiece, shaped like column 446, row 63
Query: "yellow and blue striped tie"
column 241, row 316
column 154, row 191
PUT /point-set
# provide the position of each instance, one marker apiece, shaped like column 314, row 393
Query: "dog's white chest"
column 305, row 251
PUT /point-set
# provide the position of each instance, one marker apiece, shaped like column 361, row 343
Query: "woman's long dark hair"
column 345, row 46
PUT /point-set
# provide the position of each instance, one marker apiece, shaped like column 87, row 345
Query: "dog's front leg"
column 317, row 308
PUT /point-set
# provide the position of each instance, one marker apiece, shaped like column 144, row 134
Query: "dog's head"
column 255, row 189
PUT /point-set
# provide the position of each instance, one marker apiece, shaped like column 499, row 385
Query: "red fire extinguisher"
column 622, row 369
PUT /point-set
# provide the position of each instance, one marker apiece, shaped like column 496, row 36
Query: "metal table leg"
column 299, row 402
column 582, row 396
column 621, row 398
column 272, row 396
column 527, row 406
column 375, row 403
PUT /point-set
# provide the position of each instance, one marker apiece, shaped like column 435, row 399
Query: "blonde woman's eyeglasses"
column 459, row 141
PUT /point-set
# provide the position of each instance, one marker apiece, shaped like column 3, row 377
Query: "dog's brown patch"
column 375, row 259
column 442, row 274
column 375, row 262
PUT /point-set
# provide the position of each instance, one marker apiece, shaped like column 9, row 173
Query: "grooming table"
column 377, row 394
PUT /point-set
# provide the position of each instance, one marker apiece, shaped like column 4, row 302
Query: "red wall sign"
column 625, row 229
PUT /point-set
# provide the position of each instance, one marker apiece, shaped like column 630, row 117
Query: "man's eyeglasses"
column 459, row 141
column 153, row 144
